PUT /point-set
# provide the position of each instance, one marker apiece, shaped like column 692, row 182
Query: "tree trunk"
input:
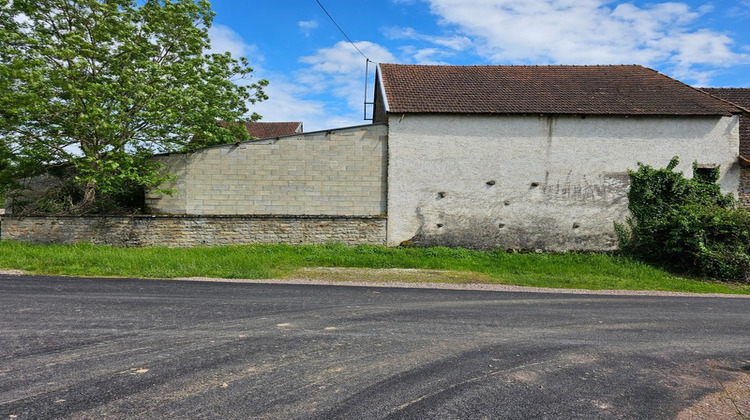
column 89, row 194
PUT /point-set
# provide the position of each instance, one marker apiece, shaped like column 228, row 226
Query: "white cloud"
column 456, row 43
column 589, row 32
column 740, row 9
column 285, row 104
column 285, row 101
column 430, row 56
column 224, row 38
column 340, row 71
column 304, row 96
column 307, row 26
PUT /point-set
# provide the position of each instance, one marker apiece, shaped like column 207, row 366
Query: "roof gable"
column 578, row 90
column 741, row 97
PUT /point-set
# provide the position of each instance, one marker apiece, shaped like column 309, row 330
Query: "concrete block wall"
column 188, row 231
column 337, row 172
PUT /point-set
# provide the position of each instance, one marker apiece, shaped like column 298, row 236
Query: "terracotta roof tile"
column 264, row 130
column 741, row 97
column 583, row 90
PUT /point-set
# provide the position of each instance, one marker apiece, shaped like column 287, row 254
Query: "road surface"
column 128, row 348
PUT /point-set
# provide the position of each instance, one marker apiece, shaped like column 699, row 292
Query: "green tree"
column 101, row 85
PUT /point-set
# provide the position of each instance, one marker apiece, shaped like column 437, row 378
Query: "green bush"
column 686, row 224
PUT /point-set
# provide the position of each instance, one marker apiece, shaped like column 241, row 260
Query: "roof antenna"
column 367, row 76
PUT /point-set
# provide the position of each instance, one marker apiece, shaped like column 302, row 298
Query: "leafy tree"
column 101, row 85
column 5, row 157
column 686, row 224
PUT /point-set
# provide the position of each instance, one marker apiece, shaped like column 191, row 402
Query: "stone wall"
column 187, row 231
column 335, row 172
column 743, row 193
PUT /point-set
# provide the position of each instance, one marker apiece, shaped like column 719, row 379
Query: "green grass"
column 573, row 270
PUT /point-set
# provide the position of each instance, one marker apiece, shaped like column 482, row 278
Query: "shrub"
column 686, row 224
column 58, row 193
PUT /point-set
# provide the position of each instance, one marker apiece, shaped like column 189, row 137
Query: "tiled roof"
column 264, row 130
column 582, row 90
column 741, row 97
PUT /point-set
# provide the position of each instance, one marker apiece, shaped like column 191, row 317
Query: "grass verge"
column 573, row 270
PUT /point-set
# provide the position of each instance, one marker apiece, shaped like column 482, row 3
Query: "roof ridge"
column 516, row 65
column 601, row 89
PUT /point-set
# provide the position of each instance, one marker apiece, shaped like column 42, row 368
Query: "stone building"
column 536, row 157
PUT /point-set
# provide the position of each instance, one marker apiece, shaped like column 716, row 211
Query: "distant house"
column 264, row 130
column 520, row 157
column 536, row 156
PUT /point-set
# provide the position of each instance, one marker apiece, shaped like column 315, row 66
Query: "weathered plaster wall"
column 534, row 182
column 187, row 231
column 338, row 172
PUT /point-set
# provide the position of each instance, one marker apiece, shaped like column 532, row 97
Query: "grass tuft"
column 570, row 270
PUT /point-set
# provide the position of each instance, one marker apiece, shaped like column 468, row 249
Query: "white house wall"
column 535, row 182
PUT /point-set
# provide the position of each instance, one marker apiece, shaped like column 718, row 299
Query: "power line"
column 342, row 31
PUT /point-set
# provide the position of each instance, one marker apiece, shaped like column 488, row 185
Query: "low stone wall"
column 188, row 231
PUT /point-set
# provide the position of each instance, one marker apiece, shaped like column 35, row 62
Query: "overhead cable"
column 342, row 31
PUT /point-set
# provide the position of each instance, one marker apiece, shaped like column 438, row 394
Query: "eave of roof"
column 379, row 76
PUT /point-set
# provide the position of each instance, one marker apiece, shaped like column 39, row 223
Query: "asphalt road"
column 128, row 348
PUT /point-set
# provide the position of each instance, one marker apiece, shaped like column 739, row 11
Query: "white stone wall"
column 337, row 172
column 535, row 182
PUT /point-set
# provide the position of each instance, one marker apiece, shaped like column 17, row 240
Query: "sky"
column 318, row 77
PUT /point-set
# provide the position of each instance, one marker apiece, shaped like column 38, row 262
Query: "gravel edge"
column 472, row 287
column 441, row 286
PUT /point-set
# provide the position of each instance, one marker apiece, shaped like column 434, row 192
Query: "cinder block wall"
column 337, row 172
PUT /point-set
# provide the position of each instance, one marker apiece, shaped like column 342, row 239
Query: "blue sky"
column 318, row 77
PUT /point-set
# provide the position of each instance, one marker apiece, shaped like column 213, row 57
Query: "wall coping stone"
column 208, row 216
